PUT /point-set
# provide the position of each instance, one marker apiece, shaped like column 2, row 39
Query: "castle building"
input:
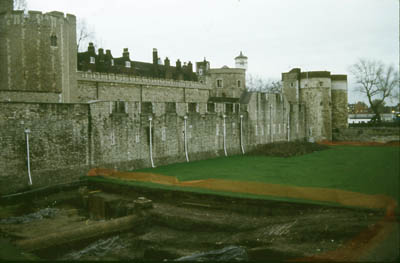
column 91, row 109
column 37, row 55
column 324, row 96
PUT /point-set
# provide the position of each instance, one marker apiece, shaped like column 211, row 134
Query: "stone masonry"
column 100, row 116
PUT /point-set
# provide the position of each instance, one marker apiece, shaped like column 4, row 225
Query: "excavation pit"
column 104, row 221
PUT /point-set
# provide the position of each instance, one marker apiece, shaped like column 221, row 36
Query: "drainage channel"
column 107, row 222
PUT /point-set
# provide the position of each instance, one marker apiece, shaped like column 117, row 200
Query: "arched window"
column 53, row 40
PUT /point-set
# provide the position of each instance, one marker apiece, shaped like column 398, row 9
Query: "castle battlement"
column 126, row 79
column 17, row 17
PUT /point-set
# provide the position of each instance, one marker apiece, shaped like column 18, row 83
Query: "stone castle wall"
column 109, row 87
column 68, row 139
column 58, row 143
column 31, row 62
column 368, row 134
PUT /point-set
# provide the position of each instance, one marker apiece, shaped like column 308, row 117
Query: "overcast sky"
column 276, row 35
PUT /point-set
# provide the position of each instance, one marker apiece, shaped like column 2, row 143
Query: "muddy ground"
column 179, row 224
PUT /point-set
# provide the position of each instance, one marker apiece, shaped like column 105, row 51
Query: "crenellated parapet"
column 137, row 80
column 16, row 17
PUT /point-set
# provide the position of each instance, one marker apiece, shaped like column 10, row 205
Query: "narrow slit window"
column 53, row 40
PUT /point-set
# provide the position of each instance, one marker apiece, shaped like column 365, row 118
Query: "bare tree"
column 84, row 34
column 20, row 5
column 377, row 81
column 257, row 83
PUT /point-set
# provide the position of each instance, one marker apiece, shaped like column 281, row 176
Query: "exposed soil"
column 287, row 149
column 181, row 224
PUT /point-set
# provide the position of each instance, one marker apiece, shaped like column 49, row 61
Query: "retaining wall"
column 367, row 134
column 66, row 140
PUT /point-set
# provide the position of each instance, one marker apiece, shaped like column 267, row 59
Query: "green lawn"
column 365, row 169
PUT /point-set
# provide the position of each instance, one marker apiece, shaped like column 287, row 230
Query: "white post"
column 226, row 154
column 185, row 138
column 27, row 131
column 151, row 145
column 241, row 133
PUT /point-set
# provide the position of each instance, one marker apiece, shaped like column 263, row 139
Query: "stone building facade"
column 324, row 96
column 86, row 110
column 37, row 56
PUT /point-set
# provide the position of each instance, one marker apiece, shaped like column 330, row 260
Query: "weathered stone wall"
column 233, row 82
column 339, row 104
column 67, row 139
column 6, row 5
column 367, row 134
column 58, row 143
column 290, row 83
column 315, row 93
column 29, row 62
column 111, row 87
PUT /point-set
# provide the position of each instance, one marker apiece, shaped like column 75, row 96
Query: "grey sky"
column 276, row 35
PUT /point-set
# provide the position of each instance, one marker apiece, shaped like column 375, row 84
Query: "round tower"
column 339, row 102
column 241, row 61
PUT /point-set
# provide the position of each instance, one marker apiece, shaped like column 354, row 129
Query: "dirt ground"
column 184, row 224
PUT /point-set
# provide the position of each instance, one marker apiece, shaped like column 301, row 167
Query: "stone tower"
column 37, row 56
column 325, row 98
column 315, row 93
column 291, row 85
column 339, row 102
column 202, row 69
column 6, row 6
column 241, row 61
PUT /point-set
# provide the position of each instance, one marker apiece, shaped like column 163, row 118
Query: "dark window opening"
column 192, row 107
column 210, row 107
column 53, row 41
column 170, row 107
column 219, row 83
column 239, row 83
column 119, row 107
column 228, row 107
column 147, row 107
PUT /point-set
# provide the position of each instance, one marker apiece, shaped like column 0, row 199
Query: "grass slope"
column 370, row 170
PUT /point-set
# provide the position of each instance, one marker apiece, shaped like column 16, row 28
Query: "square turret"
column 6, row 6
